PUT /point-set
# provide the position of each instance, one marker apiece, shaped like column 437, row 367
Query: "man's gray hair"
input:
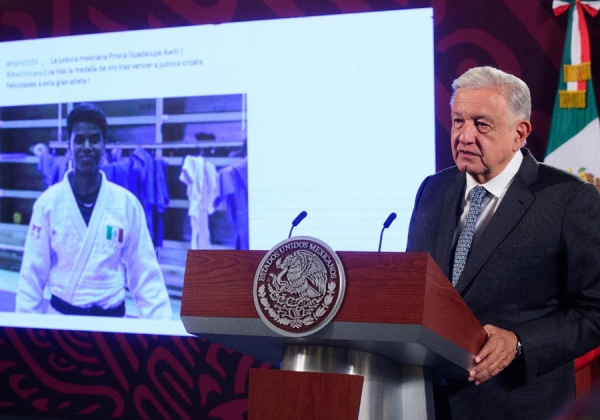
column 517, row 93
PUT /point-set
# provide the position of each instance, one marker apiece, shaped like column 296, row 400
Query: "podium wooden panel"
column 277, row 395
column 397, row 305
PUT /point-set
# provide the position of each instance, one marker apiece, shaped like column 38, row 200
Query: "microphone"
column 389, row 220
column 386, row 225
column 297, row 221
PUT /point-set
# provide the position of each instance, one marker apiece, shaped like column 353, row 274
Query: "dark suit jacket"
column 535, row 270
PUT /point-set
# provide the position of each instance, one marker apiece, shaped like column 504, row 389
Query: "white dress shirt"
column 496, row 188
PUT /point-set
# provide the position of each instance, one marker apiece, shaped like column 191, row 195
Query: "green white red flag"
column 574, row 140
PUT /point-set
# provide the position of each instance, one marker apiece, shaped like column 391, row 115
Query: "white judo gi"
column 90, row 265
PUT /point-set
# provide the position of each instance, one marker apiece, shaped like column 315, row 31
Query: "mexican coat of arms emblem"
column 299, row 286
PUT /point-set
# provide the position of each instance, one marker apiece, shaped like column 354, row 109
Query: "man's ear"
column 522, row 131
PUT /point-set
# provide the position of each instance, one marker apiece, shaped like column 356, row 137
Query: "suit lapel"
column 511, row 210
column 452, row 201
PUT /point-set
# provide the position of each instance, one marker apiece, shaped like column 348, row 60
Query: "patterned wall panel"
column 97, row 375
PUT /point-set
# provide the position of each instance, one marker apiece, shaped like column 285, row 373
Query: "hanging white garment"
column 201, row 179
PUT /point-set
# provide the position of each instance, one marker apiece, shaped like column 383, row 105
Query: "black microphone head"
column 389, row 220
column 299, row 218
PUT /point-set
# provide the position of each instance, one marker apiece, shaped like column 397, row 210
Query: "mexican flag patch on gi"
column 114, row 234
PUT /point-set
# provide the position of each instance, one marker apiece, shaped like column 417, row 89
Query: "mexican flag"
column 574, row 140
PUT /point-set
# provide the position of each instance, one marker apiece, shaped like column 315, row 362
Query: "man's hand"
column 496, row 354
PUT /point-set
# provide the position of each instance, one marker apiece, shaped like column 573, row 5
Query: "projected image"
column 184, row 159
column 336, row 112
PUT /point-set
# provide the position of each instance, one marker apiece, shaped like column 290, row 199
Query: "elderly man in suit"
column 523, row 252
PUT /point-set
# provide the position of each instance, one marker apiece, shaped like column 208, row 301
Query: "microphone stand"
column 386, row 225
column 380, row 238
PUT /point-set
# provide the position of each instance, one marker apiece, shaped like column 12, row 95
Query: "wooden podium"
column 401, row 322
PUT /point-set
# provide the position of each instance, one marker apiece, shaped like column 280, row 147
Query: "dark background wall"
column 94, row 375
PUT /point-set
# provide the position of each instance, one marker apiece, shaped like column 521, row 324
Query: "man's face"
column 485, row 134
column 87, row 146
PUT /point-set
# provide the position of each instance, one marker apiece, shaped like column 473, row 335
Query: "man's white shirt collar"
column 498, row 185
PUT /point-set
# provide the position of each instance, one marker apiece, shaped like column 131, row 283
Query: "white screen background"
column 340, row 112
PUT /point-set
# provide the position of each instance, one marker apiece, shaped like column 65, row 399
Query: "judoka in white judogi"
column 90, row 265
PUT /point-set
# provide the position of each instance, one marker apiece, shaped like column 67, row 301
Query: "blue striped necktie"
column 466, row 235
